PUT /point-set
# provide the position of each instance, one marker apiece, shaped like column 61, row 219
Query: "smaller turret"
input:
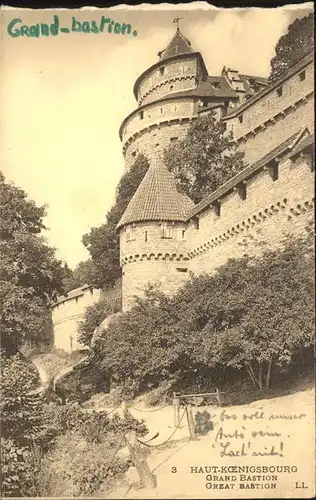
column 153, row 246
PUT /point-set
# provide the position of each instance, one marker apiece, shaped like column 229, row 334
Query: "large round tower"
column 153, row 246
column 170, row 95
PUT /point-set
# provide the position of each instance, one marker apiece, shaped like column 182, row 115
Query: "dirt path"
column 269, row 433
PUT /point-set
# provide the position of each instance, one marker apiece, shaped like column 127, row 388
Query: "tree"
column 266, row 316
column 93, row 317
column 30, row 275
column 293, row 46
column 82, row 274
column 205, row 158
column 103, row 241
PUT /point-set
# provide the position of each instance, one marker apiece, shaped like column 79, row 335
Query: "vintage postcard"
column 157, row 258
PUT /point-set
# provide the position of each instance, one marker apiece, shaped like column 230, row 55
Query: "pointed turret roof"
column 157, row 199
column 178, row 45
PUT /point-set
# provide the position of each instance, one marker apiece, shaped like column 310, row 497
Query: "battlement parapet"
column 153, row 256
column 268, row 117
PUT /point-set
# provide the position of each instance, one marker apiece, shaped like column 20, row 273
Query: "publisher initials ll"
column 300, row 486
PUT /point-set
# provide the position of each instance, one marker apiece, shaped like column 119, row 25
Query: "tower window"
column 240, row 118
column 183, row 234
column 176, row 50
column 171, row 87
column 243, row 191
column 141, row 115
column 146, row 235
column 161, row 110
column 302, row 76
column 130, row 233
column 196, row 222
column 217, row 208
column 166, row 231
column 274, row 171
column 280, row 91
column 162, row 71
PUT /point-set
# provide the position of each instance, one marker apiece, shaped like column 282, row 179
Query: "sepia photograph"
column 157, row 256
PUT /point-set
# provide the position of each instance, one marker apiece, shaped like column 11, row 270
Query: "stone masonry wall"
column 271, row 136
column 151, row 258
column 155, row 140
column 269, row 118
column 180, row 73
column 66, row 317
column 168, row 273
column 158, row 112
column 272, row 210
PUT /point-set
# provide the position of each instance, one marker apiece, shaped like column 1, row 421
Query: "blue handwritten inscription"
column 16, row 28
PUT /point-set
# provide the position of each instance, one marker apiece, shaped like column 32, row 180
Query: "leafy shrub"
column 16, row 474
column 21, row 413
column 26, row 433
column 95, row 426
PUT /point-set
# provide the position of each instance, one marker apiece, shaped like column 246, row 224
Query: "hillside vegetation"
column 253, row 317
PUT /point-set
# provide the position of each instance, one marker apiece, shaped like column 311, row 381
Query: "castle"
column 163, row 235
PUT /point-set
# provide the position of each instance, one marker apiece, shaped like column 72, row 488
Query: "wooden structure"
column 192, row 399
column 147, row 478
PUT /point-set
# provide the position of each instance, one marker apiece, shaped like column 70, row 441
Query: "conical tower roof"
column 178, row 45
column 157, row 199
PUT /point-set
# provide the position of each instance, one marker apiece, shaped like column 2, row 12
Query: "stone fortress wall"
column 272, row 207
column 67, row 313
column 268, row 118
column 271, row 210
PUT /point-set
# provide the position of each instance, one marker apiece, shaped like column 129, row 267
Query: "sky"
column 63, row 98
